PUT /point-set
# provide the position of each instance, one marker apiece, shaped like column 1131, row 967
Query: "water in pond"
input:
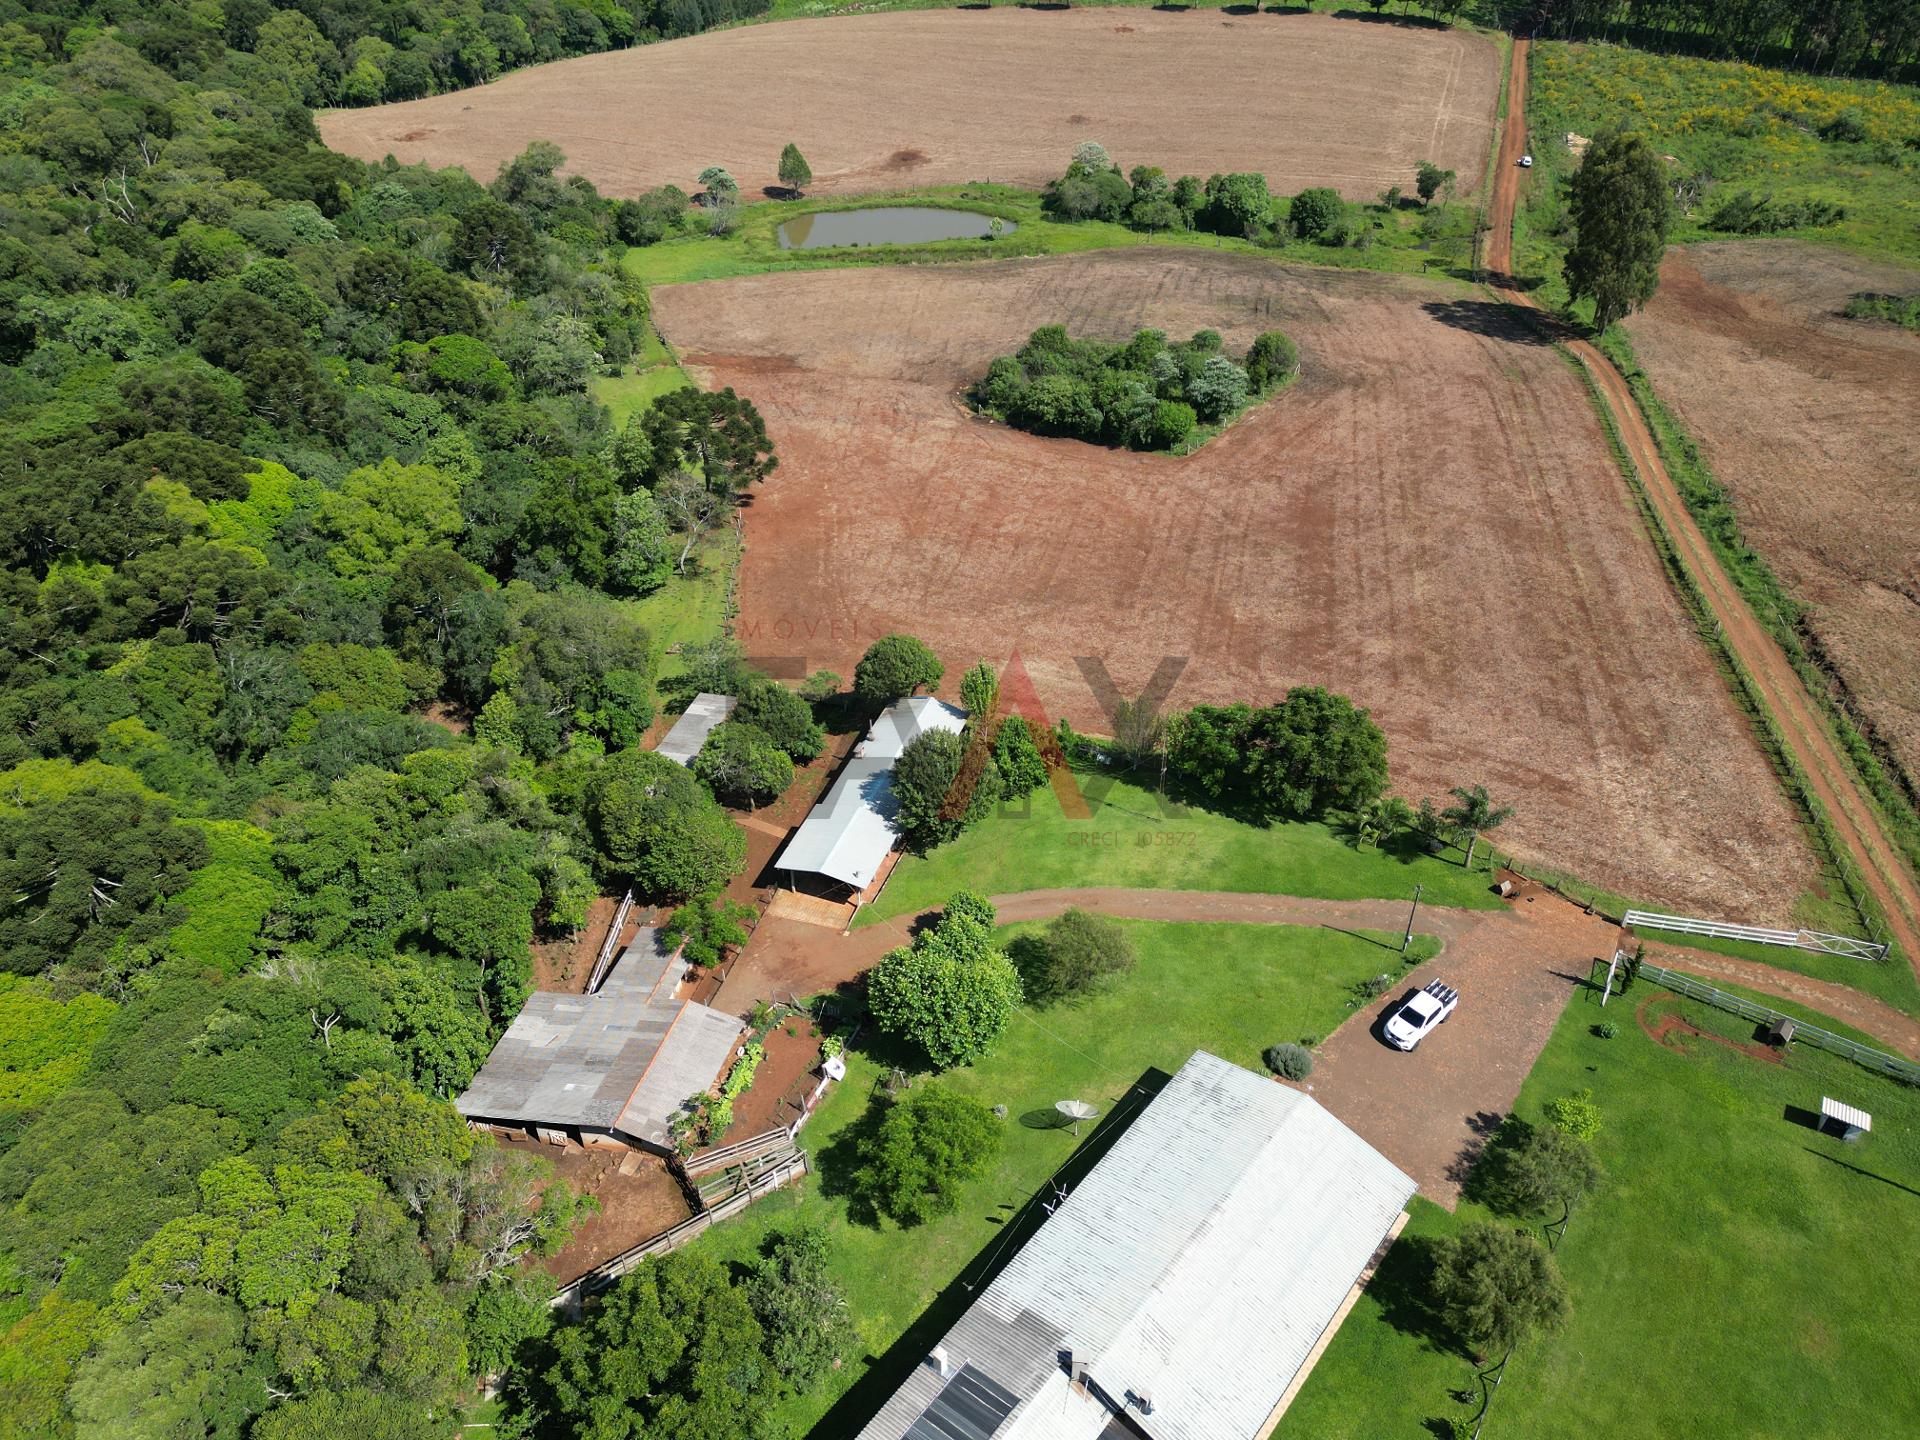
column 890, row 225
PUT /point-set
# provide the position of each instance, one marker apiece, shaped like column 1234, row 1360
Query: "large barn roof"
column 1191, row 1274
column 850, row 832
column 622, row 1059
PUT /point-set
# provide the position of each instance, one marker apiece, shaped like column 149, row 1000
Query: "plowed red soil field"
column 1813, row 422
column 946, row 96
column 1428, row 520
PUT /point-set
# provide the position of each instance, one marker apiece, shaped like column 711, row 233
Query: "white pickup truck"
column 1425, row 1011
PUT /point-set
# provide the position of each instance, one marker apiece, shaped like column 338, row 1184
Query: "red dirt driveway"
column 1429, row 1111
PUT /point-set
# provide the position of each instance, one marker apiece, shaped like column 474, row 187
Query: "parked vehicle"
column 1526, row 162
column 1425, row 1011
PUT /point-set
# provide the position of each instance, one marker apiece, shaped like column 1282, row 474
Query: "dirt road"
column 1832, row 778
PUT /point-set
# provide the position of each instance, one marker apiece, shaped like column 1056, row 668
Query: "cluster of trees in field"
column 320, row 700
column 1239, row 204
column 1835, row 37
column 1147, row 393
column 713, row 208
column 358, row 52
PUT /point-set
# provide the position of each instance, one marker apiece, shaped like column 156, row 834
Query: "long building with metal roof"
column 1182, row 1288
column 849, row 834
column 702, row 717
column 614, row 1065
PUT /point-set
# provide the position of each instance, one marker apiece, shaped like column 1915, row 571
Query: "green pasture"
column 1737, row 1275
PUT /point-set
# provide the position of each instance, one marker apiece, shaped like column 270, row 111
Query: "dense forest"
column 317, row 662
column 1833, row 37
column 355, row 52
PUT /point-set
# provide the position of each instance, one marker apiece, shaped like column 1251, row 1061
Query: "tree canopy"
column 895, row 666
column 1621, row 209
column 952, row 991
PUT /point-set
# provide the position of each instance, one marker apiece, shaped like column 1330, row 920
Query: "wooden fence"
column 601, row 1276
column 1866, row 1055
column 1815, row 940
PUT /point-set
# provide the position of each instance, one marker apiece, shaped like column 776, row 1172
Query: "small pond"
column 888, row 225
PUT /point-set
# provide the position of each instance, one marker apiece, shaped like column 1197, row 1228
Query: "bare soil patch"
column 1812, row 421
column 1657, row 1017
column 1428, row 520
column 940, row 97
column 633, row 1208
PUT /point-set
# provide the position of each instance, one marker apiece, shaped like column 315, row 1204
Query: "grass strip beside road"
column 1135, row 838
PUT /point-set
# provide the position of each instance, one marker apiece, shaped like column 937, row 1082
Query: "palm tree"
column 1474, row 813
column 1383, row 818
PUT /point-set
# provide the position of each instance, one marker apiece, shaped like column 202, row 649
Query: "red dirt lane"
column 1429, row 520
column 939, row 97
column 1813, row 421
column 1854, row 817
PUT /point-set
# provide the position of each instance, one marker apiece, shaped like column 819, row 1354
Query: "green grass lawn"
column 1231, row 989
column 690, row 607
column 1132, row 841
column 652, row 374
column 1396, row 239
column 1738, row 1275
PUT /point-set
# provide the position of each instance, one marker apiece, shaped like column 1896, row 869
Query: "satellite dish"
column 1076, row 1111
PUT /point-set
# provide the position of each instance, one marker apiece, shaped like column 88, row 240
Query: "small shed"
column 1843, row 1120
column 690, row 731
column 1781, row 1032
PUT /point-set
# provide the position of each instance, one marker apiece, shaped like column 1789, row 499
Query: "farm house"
column 608, row 1068
column 847, row 837
column 1184, row 1288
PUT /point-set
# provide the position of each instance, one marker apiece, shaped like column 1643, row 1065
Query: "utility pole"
column 1407, row 939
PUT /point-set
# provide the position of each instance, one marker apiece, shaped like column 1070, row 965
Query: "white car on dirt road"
column 1425, row 1011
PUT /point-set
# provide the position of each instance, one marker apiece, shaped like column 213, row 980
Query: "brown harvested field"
column 1428, row 520
column 939, row 97
column 1812, row 421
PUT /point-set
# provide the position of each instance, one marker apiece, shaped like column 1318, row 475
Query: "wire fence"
column 1864, row 1055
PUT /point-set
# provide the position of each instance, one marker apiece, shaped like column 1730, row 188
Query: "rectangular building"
column 611, row 1067
column 847, row 836
column 1184, row 1287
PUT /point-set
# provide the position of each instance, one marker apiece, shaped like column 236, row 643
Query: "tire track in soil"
column 1831, row 777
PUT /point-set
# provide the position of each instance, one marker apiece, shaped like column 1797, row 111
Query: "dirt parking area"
column 1812, row 421
column 939, row 97
column 1430, row 1110
column 1429, row 521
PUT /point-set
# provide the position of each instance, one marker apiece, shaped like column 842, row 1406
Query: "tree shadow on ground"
column 1410, row 22
column 1402, row 1287
column 855, row 1408
column 1029, row 956
column 1489, row 318
column 838, row 1162
column 1483, row 1170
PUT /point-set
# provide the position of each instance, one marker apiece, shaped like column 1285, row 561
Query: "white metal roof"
column 848, row 835
column 1196, row 1265
column 1835, row 1110
column 690, row 731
